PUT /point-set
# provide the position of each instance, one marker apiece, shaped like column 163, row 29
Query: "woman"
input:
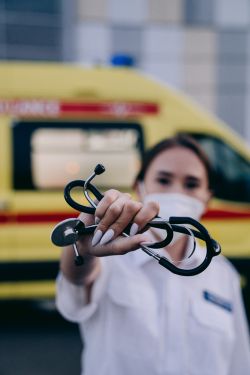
column 135, row 316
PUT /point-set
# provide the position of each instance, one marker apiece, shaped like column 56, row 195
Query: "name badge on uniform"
column 217, row 300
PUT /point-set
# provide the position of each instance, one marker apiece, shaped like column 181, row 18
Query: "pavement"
column 36, row 340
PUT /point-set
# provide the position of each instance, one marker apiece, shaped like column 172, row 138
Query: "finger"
column 130, row 210
column 148, row 212
column 120, row 246
column 113, row 212
column 109, row 197
column 109, row 233
column 84, row 240
column 116, row 218
column 86, row 218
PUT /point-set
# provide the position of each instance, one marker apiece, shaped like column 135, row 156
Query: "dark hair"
column 180, row 140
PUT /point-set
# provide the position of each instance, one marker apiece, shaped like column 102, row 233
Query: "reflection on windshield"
column 60, row 155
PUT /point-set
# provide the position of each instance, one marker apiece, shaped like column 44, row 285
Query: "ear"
column 210, row 195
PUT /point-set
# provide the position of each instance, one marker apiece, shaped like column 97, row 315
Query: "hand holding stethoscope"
column 69, row 231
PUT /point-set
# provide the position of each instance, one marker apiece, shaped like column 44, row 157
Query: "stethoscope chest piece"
column 65, row 233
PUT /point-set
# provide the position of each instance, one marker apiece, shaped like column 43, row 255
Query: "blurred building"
column 31, row 30
column 198, row 46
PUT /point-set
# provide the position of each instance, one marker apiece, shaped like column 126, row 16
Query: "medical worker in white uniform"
column 136, row 317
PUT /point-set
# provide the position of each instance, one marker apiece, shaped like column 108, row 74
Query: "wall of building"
column 31, row 30
column 198, row 46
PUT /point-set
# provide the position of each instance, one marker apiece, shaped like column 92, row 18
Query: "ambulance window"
column 59, row 154
column 232, row 171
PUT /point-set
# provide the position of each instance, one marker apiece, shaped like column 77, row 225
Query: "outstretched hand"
column 113, row 214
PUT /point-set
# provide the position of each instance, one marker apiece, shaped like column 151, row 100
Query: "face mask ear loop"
column 194, row 242
column 142, row 190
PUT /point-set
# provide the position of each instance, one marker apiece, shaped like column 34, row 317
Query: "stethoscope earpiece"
column 99, row 169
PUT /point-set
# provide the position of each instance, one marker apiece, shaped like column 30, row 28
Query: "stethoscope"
column 69, row 231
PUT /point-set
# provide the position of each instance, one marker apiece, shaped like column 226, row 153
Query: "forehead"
column 178, row 160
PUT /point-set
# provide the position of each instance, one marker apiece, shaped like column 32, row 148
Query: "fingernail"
column 97, row 220
column 146, row 239
column 107, row 237
column 134, row 229
column 96, row 238
column 146, row 243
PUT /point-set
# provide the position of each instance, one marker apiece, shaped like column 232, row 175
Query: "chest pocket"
column 131, row 292
column 211, row 335
column 133, row 318
column 212, row 316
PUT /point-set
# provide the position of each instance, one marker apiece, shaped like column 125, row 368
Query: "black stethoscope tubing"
column 174, row 224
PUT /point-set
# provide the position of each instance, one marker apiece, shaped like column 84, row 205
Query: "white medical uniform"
column 144, row 320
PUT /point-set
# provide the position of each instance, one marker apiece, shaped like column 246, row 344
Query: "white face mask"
column 176, row 204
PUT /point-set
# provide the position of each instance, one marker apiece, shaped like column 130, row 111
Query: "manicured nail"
column 107, row 237
column 96, row 238
column 146, row 243
column 134, row 229
column 97, row 220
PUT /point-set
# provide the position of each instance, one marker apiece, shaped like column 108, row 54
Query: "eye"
column 163, row 181
column 192, row 184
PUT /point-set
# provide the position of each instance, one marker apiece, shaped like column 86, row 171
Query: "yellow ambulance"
column 58, row 121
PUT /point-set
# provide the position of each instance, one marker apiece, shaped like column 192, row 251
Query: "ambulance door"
column 231, row 205
column 228, row 218
column 7, row 217
column 49, row 154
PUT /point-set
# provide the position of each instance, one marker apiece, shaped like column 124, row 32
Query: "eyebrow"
column 170, row 174
column 165, row 173
column 193, row 178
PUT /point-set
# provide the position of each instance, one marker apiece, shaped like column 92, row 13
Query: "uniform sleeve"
column 71, row 299
column 240, row 360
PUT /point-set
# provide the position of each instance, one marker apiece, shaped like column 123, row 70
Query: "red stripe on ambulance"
column 46, row 217
column 55, row 108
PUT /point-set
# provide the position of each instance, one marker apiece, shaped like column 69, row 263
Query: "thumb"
column 87, row 219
